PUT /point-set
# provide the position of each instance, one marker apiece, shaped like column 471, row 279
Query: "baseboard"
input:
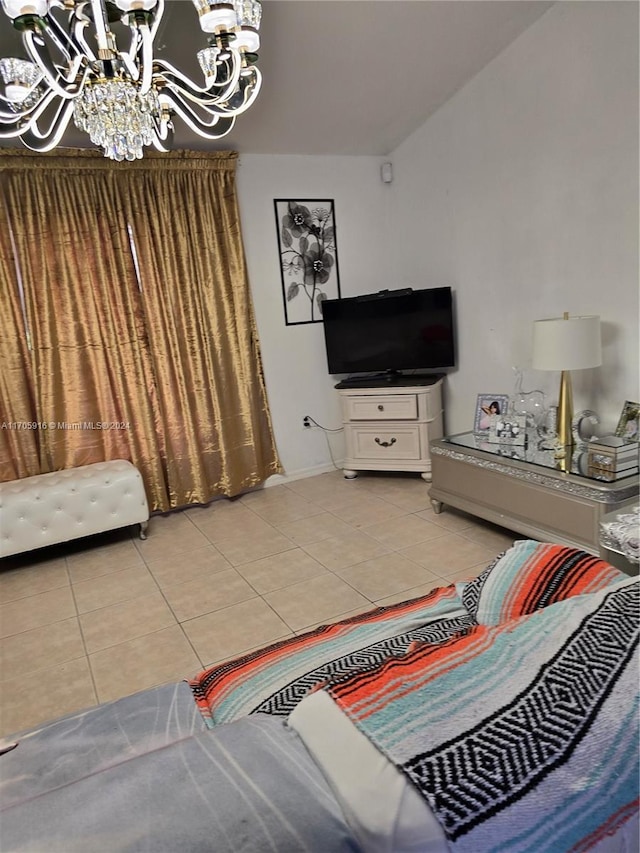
column 300, row 474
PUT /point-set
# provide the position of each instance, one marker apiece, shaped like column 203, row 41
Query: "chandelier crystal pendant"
column 126, row 99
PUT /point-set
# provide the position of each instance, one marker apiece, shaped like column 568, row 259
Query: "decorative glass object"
column 21, row 79
column 623, row 534
column 583, row 426
column 548, row 430
column 117, row 117
column 530, row 404
column 249, row 13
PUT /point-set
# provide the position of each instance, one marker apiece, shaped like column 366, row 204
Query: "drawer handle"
column 381, row 408
column 385, row 443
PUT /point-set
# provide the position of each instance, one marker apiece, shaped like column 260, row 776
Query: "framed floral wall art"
column 308, row 257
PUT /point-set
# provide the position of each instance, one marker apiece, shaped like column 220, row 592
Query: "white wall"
column 294, row 357
column 522, row 193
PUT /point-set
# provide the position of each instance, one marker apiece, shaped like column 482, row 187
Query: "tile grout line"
column 82, row 636
column 362, row 490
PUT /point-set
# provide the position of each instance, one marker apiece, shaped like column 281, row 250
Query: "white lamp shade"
column 567, row 344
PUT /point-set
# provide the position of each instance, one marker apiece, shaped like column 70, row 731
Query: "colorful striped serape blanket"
column 521, row 736
column 274, row 679
column 531, row 575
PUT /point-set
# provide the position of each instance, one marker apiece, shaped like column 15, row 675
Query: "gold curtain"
column 138, row 305
column 19, row 436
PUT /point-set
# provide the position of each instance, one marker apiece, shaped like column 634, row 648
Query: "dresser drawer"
column 381, row 407
column 384, row 443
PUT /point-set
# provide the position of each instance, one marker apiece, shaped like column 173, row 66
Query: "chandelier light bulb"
column 132, row 5
column 20, row 78
column 16, row 8
column 215, row 16
column 123, row 97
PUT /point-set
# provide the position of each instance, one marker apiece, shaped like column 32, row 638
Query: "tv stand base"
column 351, row 475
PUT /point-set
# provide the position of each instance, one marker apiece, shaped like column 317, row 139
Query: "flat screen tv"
column 390, row 331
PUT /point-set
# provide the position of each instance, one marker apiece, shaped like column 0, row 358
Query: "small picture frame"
column 508, row 429
column 488, row 405
column 627, row 428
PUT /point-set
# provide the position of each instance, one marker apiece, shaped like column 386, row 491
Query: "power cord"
column 315, row 423
column 309, row 421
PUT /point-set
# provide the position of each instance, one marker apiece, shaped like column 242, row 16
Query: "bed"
column 498, row 714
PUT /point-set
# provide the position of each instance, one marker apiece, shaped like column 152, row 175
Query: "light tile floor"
column 96, row 619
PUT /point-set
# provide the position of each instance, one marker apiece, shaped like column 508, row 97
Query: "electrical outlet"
column 306, row 422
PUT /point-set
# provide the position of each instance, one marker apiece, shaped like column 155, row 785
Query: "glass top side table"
column 575, row 462
column 525, row 490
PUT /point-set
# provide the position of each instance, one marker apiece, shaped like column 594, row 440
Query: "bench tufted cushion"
column 50, row 508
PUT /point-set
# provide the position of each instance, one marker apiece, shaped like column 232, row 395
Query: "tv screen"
column 390, row 331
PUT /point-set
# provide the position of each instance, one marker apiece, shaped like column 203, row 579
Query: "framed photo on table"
column 488, row 406
column 628, row 424
column 508, row 429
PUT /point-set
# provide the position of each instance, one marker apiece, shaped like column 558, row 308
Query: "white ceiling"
column 345, row 76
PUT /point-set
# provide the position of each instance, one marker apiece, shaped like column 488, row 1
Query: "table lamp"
column 566, row 343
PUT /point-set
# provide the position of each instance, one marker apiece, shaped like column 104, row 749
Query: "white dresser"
column 388, row 426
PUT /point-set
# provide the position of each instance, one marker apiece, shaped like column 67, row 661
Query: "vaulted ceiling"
column 344, row 76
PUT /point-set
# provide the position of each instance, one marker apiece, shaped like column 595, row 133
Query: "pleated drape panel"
column 127, row 324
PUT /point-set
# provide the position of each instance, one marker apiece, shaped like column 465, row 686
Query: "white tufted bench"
column 50, row 508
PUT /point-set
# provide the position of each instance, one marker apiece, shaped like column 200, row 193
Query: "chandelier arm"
column 147, row 59
column 38, row 52
column 34, row 139
column 253, row 93
column 22, row 118
column 61, row 37
column 158, row 12
column 213, row 106
column 129, row 57
column 63, row 41
column 11, row 125
column 131, row 67
column 139, row 57
column 197, row 93
column 223, row 90
column 101, row 25
column 80, row 43
column 190, row 117
column 163, row 137
column 9, row 117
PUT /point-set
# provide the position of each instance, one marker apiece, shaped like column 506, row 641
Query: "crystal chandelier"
column 124, row 99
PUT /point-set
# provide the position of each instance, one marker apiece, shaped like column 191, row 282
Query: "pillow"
column 383, row 809
column 274, row 679
column 531, row 575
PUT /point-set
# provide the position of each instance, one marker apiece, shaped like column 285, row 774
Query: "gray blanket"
column 144, row 774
